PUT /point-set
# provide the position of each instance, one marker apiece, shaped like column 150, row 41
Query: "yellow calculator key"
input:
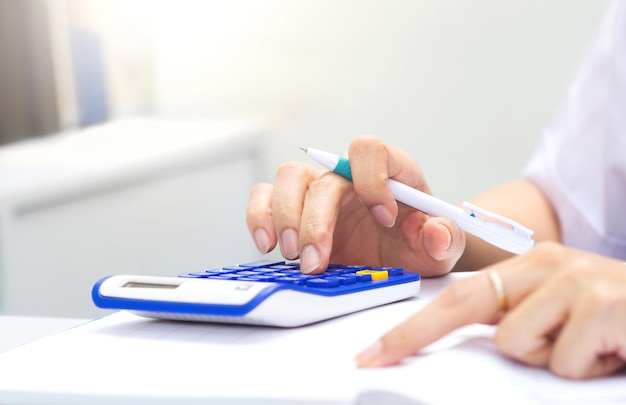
column 375, row 274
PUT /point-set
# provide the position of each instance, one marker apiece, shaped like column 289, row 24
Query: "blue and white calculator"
column 272, row 293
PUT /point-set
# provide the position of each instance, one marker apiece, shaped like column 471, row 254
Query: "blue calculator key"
column 354, row 267
column 290, row 272
column 247, row 273
column 232, row 268
column 200, row 274
column 264, row 277
column 222, row 277
column 329, row 282
column 257, row 270
column 346, row 280
column 393, row 271
column 363, row 278
column 290, row 280
column 272, row 274
column 284, row 267
column 219, row 271
column 337, row 271
column 244, row 278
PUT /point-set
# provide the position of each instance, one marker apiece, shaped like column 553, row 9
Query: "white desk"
column 21, row 330
column 124, row 359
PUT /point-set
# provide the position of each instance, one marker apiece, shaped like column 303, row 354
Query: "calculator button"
column 220, row 271
column 231, row 269
column 290, row 280
column 200, row 274
column 247, row 273
column 222, row 277
column 393, row 271
column 274, row 274
column 283, row 267
column 290, row 273
column 356, row 267
column 262, row 277
column 346, row 280
column 375, row 274
column 329, row 282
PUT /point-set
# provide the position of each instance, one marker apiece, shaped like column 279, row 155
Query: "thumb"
column 443, row 241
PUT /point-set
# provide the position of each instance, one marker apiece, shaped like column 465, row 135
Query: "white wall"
column 465, row 86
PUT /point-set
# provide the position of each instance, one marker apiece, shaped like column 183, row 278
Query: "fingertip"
column 443, row 240
column 262, row 240
column 390, row 349
column 310, row 261
column 370, row 356
column 289, row 244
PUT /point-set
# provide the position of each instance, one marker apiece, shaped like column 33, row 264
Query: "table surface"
column 20, row 330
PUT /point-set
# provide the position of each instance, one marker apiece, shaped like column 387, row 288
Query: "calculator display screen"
column 133, row 284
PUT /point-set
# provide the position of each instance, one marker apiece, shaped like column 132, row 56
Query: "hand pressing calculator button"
column 272, row 293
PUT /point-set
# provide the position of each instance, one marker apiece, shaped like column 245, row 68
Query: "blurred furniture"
column 142, row 196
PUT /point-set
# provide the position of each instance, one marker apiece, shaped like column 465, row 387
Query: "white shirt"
column 580, row 161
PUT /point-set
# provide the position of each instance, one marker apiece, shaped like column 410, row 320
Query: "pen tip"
column 304, row 149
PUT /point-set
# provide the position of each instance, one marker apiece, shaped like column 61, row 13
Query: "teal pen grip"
column 343, row 168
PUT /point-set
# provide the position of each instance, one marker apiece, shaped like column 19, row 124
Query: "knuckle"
column 366, row 144
column 284, row 210
column 257, row 202
column 366, row 139
column 291, row 169
column 505, row 340
column 259, row 189
column 321, row 232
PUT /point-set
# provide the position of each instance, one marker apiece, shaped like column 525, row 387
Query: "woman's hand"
column 320, row 217
column 565, row 310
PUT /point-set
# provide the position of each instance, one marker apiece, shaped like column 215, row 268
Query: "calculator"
column 272, row 293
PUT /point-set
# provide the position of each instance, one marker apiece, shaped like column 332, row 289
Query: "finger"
column 443, row 241
column 290, row 188
column 589, row 344
column 553, row 325
column 372, row 162
column 526, row 333
column 468, row 301
column 465, row 302
column 318, row 220
column 259, row 217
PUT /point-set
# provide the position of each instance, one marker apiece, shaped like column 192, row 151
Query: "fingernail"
column 383, row 215
column 369, row 356
column 289, row 244
column 309, row 259
column 262, row 240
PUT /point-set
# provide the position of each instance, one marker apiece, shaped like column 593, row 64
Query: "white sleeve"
column 580, row 162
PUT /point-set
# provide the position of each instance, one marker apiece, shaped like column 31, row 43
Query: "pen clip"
column 491, row 217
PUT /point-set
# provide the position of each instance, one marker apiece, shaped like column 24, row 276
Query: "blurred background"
column 466, row 87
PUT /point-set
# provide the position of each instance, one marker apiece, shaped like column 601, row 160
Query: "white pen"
column 492, row 228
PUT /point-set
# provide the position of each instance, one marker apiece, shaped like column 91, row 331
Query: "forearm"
column 521, row 201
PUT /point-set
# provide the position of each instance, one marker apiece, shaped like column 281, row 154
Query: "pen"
column 492, row 228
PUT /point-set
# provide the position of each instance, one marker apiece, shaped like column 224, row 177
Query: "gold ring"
column 498, row 286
